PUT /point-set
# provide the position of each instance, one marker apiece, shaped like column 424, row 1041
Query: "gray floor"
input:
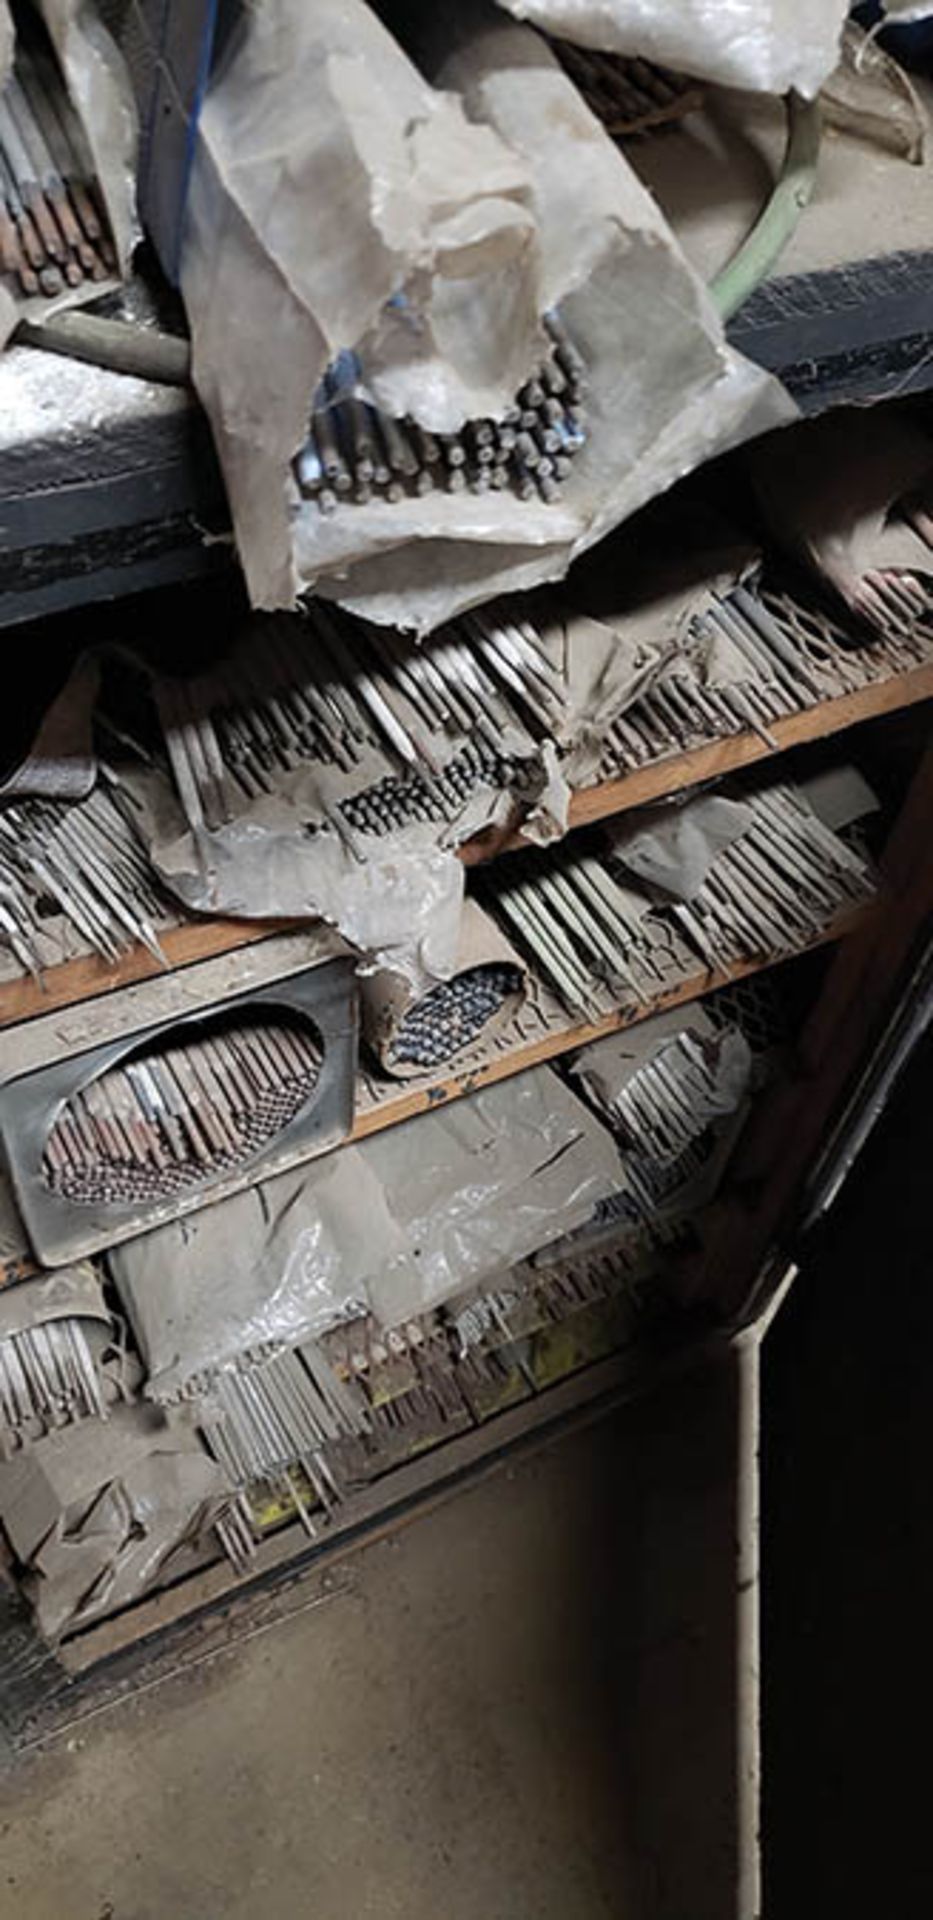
column 437, row 1734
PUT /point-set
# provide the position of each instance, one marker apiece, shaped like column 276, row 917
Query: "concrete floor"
column 439, row 1734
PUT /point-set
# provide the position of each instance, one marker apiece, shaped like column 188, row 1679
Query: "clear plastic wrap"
column 768, row 46
column 394, row 1226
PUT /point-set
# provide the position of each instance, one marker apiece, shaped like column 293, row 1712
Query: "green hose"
column 753, row 260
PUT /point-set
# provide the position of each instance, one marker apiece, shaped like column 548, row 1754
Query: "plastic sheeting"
column 357, row 222
column 392, row 1227
column 766, row 45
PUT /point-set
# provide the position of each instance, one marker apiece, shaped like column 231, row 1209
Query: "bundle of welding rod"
column 467, row 708
column 597, row 933
column 785, row 657
column 48, row 1376
column 627, row 94
column 266, row 1423
column 88, row 861
column 52, row 227
column 175, row 1115
column 356, row 453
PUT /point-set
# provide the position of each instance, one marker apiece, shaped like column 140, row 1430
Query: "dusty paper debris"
column 393, row 1226
column 639, row 330
column 871, row 96
column 95, row 1512
column 750, row 43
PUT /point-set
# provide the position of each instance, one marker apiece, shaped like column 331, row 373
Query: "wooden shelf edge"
column 397, row 1107
column 88, row 976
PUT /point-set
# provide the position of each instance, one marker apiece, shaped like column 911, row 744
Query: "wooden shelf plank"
column 88, row 976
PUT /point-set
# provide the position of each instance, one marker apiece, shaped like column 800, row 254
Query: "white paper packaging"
column 766, row 45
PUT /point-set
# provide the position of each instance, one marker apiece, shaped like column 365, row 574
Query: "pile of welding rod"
column 84, row 859
column 357, row 453
column 157, row 1123
column 47, row 1378
column 596, row 935
column 332, row 691
column 263, row 1422
column 52, row 231
column 453, row 1014
column 627, row 94
column 794, row 660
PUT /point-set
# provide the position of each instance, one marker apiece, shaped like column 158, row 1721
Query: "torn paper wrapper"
column 95, row 1511
column 767, row 46
column 283, row 859
column 329, row 180
column 851, row 497
column 70, row 1293
column 605, row 1069
column 272, row 298
column 672, row 848
column 393, row 1226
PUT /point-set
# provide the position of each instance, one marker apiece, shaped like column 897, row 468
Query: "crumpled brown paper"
column 297, row 247
column 96, row 1510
